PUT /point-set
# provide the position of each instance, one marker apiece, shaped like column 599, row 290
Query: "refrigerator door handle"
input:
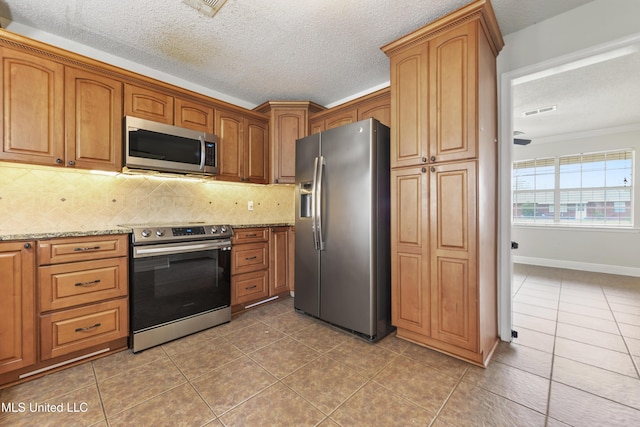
column 314, row 207
column 321, row 244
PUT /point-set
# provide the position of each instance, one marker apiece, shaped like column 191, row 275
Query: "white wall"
column 582, row 32
column 553, row 42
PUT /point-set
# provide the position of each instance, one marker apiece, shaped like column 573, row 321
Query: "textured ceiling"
column 598, row 96
column 258, row 50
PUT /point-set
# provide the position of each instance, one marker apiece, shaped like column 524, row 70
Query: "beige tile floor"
column 575, row 363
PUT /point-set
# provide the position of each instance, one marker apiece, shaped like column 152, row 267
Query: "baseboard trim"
column 576, row 265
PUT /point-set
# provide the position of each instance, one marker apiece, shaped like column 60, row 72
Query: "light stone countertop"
column 35, row 234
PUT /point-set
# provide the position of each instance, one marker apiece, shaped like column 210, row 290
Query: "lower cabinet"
column 17, row 306
column 260, row 266
column 76, row 309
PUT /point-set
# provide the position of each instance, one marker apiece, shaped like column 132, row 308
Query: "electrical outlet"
column 250, row 205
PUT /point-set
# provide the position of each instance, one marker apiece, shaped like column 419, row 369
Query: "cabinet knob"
column 433, row 158
column 433, row 169
column 27, row 245
column 424, row 170
column 59, row 161
column 424, row 160
column 71, row 163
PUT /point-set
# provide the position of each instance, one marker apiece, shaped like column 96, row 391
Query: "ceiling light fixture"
column 207, row 7
column 540, row 111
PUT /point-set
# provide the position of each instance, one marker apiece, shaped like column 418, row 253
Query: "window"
column 593, row 189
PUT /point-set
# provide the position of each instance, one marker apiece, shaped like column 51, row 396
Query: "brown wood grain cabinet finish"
column 17, row 306
column 93, row 115
column 148, row 104
column 194, row 115
column 32, row 108
column 279, row 268
column 443, row 185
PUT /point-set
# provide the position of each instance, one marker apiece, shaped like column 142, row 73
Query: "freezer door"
column 348, row 218
column 307, row 258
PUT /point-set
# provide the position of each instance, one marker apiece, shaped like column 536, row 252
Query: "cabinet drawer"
column 252, row 257
column 249, row 287
column 67, row 285
column 55, row 251
column 250, row 235
column 72, row 330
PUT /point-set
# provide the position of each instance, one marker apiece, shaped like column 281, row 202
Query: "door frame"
column 597, row 53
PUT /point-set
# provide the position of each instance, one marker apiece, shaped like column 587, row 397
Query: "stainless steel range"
column 180, row 280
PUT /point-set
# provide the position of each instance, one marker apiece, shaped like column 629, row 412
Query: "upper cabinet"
column 376, row 105
column 32, row 108
column 59, row 115
column 289, row 122
column 148, row 104
column 243, row 147
column 194, row 115
column 93, row 115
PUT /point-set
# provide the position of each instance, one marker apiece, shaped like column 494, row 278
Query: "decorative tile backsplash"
column 36, row 199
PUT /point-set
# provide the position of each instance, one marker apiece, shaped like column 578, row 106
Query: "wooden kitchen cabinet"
column 17, row 307
column 83, row 295
column 279, row 268
column 249, row 265
column 148, row 104
column 443, row 185
column 261, row 265
column 194, row 115
column 93, row 120
column 289, row 121
column 330, row 119
column 32, row 108
column 59, row 116
column 243, row 147
column 376, row 106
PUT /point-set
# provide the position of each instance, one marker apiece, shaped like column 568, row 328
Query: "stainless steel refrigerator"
column 343, row 258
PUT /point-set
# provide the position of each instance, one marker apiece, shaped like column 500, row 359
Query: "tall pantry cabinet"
column 444, row 183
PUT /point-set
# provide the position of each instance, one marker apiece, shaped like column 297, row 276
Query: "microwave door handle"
column 203, row 152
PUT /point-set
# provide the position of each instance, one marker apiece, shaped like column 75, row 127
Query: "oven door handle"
column 157, row 250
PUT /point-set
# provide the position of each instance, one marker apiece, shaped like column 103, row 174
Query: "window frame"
column 550, row 214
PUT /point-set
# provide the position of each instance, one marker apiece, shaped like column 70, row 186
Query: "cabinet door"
column 256, row 152
column 93, row 114
column 230, row 131
column 17, row 305
column 410, row 306
column 378, row 108
column 148, row 104
column 454, row 302
column 316, row 126
column 409, row 106
column 32, row 109
column 341, row 118
column 279, row 258
column 452, row 85
column 193, row 115
column 290, row 125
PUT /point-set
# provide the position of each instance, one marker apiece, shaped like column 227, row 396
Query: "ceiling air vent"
column 540, row 111
column 206, row 7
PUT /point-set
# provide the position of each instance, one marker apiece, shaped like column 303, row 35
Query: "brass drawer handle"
column 95, row 282
column 250, row 258
column 251, row 287
column 251, row 235
column 94, row 248
column 87, row 328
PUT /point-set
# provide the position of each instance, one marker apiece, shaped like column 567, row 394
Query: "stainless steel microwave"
column 157, row 146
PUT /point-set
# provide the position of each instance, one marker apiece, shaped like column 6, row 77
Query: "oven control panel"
column 178, row 233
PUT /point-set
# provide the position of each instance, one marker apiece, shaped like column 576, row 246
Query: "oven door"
column 178, row 280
